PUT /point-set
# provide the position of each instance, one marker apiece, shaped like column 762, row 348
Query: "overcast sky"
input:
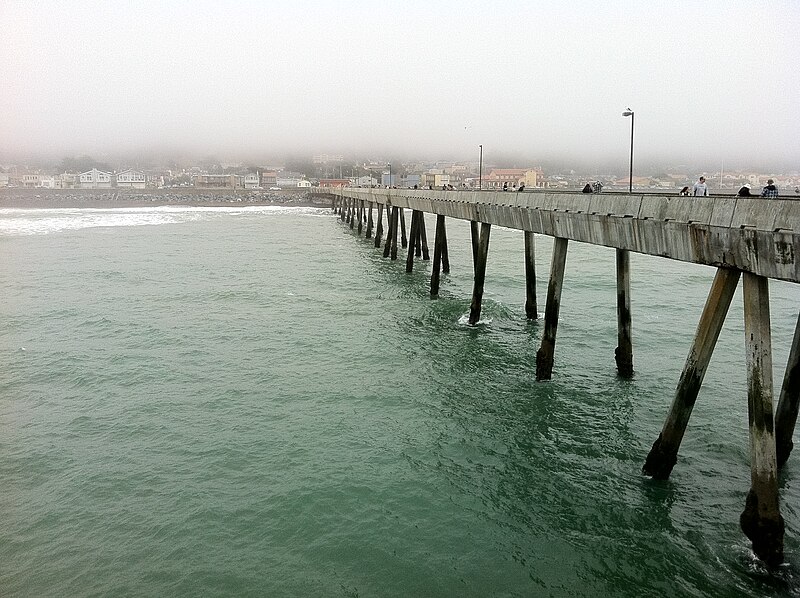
column 708, row 80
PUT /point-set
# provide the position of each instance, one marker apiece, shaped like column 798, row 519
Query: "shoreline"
column 143, row 198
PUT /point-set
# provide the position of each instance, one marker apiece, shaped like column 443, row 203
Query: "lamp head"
column 628, row 112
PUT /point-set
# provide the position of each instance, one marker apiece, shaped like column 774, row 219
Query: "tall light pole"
column 480, row 169
column 629, row 112
column 390, row 175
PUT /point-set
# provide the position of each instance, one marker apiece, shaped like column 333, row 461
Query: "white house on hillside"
column 95, row 179
column 134, row 179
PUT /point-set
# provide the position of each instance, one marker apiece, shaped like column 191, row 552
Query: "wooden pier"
column 747, row 239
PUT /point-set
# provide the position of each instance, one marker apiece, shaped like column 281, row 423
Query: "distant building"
column 292, row 182
column 29, row 181
column 133, row 179
column 47, row 181
column 511, row 177
column 3, row 179
column 269, row 178
column 215, row 181
column 335, row 182
column 251, row 181
column 95, row 179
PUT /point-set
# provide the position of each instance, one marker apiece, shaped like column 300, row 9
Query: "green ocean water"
column 253, row 402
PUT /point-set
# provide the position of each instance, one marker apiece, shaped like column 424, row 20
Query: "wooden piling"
column 412, row 246
column 369, row 221
column 480, row 274
column 664, row 453
column 531, row 309
column 623, row 354
column 343, row 210
column 545, row 354
column 761, row 520
column 438, row 243
column 786, row 413
column 379, row 228
column 403, row 237
column 360, row 215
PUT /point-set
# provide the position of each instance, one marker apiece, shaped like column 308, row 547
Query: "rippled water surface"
column 220, row 401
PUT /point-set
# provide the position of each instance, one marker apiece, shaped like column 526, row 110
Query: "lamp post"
column 629, row 112
column 480, row 169
column 390, row 175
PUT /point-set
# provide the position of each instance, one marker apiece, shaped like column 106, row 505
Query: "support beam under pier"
column 786, row 414
column 761, row 520
column 440, row 239
column 664, row 453
column 480, row 274
column 623, row 354
column 544, row 356
column 379, row 228
column 531, row 309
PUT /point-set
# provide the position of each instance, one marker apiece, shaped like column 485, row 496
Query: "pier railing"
column 751, row 234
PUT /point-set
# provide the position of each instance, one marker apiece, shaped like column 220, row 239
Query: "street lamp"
column 480, row 169
column 390, row 176
column 629, row 112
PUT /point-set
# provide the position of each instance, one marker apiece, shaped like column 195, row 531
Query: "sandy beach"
column 128, row 198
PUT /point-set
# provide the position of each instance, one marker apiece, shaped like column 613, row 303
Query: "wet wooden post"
column 352, row 213
column 416, row 233
column 438, row 243
column 545, row 354
column 474, row 236
column 423, row 236
column 412, row 246
column 664, row 453
column 761, row 520
column 390, row 223
column 343, row 209
column 786, row 413
column 360, row 215
column 395, row 218
column 403, row 237
column 379, row 228
column 531, row 309
column 480, row 274
column 623, row 354
column 369, row 221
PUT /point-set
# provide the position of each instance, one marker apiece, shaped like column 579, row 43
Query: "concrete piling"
column 623, row 354
column 480, row 274
column 545, row 354
column 379, row 228
column 412, row 246
column 761, row 520
column 438, row 243
column 369, row 221
column 786, row 413
column 531, row 309
column 664, row 453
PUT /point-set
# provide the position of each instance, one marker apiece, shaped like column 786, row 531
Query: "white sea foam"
column 42, row 221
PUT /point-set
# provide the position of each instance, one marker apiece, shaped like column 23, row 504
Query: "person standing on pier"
column 770, row 191
column 700, row 188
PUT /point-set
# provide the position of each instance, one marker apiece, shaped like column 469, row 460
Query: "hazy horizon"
column 710, row 84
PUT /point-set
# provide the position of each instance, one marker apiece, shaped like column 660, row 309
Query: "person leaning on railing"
column 770, row 190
